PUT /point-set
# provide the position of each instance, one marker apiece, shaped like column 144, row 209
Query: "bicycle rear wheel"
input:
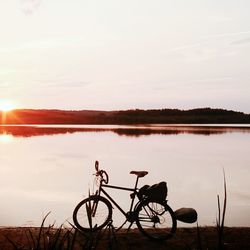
column 156, row 220
column 92, row 214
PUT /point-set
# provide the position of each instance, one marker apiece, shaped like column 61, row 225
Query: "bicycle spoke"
column 92, row 213
column 156, row 220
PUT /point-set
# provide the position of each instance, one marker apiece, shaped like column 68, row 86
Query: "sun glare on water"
column 5, row 138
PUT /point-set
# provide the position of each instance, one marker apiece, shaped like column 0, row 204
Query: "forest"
column 135, row 116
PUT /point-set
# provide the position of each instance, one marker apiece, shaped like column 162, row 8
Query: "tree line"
column 134, row 116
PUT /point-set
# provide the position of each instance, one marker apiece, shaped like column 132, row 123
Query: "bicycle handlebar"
column 104, row 176
column 106, row 179
column 102, row 173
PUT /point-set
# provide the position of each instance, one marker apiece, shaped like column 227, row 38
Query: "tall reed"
column 220, row 220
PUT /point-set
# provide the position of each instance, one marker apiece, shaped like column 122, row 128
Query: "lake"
column 50, row 168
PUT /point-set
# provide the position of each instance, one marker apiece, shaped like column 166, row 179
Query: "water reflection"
column 41, row 173
column 5, row 138
column 131, row 131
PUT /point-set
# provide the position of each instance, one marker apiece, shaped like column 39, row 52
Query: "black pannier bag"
column 156, row 192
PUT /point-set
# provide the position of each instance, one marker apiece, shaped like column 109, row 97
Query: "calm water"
column 44, row 168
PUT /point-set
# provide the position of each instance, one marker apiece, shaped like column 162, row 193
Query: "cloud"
column 61, row 81
column 241, row 41
column 71, row 84
column 185, row 47
column 52, row 43
column 209, row 39
column 28, row 7
column 229, row 34
column 241, row 195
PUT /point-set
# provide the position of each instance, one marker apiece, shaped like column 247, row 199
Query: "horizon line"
column 130, row 109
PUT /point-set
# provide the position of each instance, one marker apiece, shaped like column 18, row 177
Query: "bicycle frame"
column 133, row 196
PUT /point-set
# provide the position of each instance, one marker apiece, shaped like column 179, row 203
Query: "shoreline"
column 184, row 238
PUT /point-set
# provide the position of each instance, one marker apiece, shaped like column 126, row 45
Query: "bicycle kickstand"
column 130, row 225
column 121, row 226
column 111, row 232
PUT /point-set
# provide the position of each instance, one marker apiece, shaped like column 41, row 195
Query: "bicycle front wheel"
column 92, row 214
column 156, row 220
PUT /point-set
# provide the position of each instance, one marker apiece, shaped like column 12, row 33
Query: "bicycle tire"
column 92, row 213
column 156, row 220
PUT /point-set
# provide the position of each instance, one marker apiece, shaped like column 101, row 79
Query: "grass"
column 221, row 218
column 45, row 238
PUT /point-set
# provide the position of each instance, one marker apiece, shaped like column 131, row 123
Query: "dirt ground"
column 185, row 238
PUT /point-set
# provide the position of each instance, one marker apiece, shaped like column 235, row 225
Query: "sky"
column 113, row 54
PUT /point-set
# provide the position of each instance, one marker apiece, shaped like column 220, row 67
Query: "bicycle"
column 154, row 218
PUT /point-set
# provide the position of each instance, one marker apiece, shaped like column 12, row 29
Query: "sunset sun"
column 6, row 105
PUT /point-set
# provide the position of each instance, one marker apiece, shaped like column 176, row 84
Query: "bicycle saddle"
column 139, row 173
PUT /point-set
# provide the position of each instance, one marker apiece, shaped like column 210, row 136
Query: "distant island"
column 135, row 116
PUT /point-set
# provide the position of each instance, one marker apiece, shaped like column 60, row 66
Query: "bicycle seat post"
column 139, row 174
column 136, row 183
